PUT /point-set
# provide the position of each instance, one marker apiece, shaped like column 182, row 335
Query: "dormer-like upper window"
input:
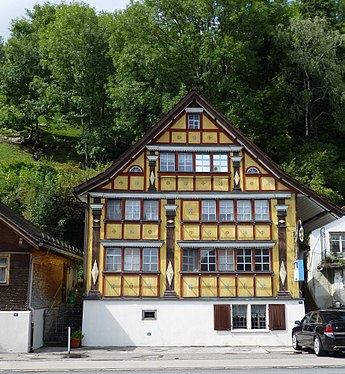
column 253, row 170
column 135, row 169
column 193, row 121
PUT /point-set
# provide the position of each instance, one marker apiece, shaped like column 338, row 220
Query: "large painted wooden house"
column 190, row 238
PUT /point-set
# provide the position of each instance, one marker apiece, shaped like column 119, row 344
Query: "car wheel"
column 295, row 344
column 318, row 349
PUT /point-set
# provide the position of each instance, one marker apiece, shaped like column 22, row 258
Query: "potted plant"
column 76, row 338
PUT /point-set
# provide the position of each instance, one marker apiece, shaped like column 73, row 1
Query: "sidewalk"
column 161, row 358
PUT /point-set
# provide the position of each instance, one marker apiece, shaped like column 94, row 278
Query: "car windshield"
column 333, row 315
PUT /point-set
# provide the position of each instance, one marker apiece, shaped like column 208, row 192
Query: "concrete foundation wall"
column 38, row 322
column 178, row 323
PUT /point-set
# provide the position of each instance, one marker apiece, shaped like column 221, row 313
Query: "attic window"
column 193, row 121
column 253, row 170
column 135, row 169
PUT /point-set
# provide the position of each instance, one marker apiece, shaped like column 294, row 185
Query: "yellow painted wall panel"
column 208, row 286
column 190, row 210
column 180, row 124
column 149, row 286
column 136, row 183
column 150, row 231
column 132, row 231
column 227, row 287
column 139, row 161
column 252, row 183
column 165, row 138
column 249, row 161
column 114, row 231
column 262, row 232
column 245, row 286
column 168, row 183
column 282, row 187
column 190, row 287
column 268, row 183
column 227, row 232
column 224, row 139
column 130, row 286
column 207, row 124
column 203, row 183
column 209, row 137
column 194, row 137
column 263, row 286
column 108, row 186
column 245, row 232
column 209, row 232
column 178, row 137
column 220, row 183
column 185, row 183
column 121, row 183
column 191, row 232
column 112, row 285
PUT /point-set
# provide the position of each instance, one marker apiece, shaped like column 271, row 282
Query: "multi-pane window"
column 151, row 210
column 202, row 162
column 208, row 208
column 114, row 209
column 258, row 317
column 185, row 162
column 220, row 162
column 337, row 242
column 244, row 259
column 167, row 162
column 262, row 212
column 262, row 259
column 208, row 260
column 239, row 316
column 225, row 259
column 132, row 210
column 131, row 259
column 4, row 263
column 190, row 260
column 244, row 210
column 194, row 121
column 150, row 259
column 226, row 210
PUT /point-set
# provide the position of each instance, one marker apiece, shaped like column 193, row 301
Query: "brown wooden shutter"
column 222, row 317
column 277, row 316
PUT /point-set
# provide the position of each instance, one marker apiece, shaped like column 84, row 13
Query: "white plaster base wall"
column 15, row 332
column 178, row 323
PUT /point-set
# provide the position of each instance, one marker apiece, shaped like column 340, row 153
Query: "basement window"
column 149, row 314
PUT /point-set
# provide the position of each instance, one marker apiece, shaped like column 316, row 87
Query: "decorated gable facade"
column 190, row 238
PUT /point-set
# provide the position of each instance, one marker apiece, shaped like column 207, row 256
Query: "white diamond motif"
column 152, row 177
column 94, row 272
column 170, row 273
column 282, row 273
column 237, row 178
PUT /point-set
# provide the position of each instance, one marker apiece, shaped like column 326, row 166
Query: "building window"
column 258, row 317
column 132, row 210
column 151, row 210
column 255, row 319
column 253, row 170
column 4, row 269
column 190, row 260
column 208, row 260
column 113, row 259
column 208, row 208
column 150, row 259
column 149, row 315
column 220, row 162
column 114, row 210
column 132, row 259
column 226, row 210
column 135, row 169
column 225, row 259
column 239, row 316
column 337, row 242
column 185, row 162
column 167, row 162
column 262, row 211
column 262, row 260
column 244, row 210
column 202, row 162
column 244, row 259
column 194, row 121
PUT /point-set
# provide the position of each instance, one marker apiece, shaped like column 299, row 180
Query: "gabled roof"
column 312, row 209
column 35, row 236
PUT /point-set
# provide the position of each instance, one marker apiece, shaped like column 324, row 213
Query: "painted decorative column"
column 282, row 208
column 96, row 207
column 236, row 163
column 170, row 209
column 152, row 164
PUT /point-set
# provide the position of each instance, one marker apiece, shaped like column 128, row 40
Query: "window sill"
column 250, row 331
column 123, row 221
column 140, row 273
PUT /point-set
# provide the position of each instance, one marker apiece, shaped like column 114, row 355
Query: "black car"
column 322, row 330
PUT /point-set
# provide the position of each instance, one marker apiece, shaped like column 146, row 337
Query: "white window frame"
column 114, row 209
column 113, row 259
column 208, row 259
column 220, row 162
column 226, row 210
column 4, row 269
column 244, row 210
column 262, row 259
column 150, row 259
column 208, row 210
column 337, row 239
column 185, row 161
column 244, row 259
column 202, row 162
column 131, row 259
column 150, row 211
column 249, row 317
column 132, row 210
column 135, row 169
column 167, row 161
column 253, row 170
column 226, row 260
column 193, row 121
column 190, row 260
column 262, row 210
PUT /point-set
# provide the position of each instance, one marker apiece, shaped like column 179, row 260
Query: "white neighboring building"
column 326, row 264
